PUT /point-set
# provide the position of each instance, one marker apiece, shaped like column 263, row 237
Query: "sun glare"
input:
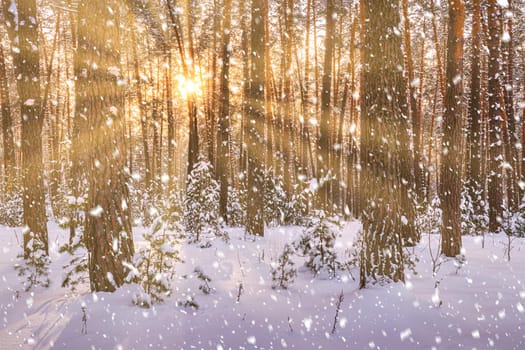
column 188, row 87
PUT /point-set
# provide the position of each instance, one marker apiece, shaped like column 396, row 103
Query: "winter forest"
column 262, row 174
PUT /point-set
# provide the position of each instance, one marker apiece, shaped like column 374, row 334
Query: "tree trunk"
column 474, row 180
column 382, row 155
column 450, row 183
column 414, row 111
column 495, row 119
column 108, row 226
column 324, row 172
column 27, row 63
column 223, row 158
column 7, row 127
column 255, row 123
column 142, row 109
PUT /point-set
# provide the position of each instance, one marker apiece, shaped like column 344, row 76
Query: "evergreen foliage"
column 205, row 280
column 35, row 266
column 76, row 270
column 202, row 219
column 236, row 208
column 474, row 221
column 283, row 272
column 318, row 244
column 11, row 207
column 154, row 265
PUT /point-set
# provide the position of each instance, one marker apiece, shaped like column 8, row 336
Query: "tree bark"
column 255, row 123
column 223, row 152
column 474, row 181
column 495, row 118
column 382, row 156
column 7, row 127
column 27, row 65
column 450, row 183
column 324, row 172
column 108, row 221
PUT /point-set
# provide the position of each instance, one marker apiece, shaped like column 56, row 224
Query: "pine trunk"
column 450, row 173
column 108, row 221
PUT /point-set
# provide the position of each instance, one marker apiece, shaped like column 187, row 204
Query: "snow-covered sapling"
column 35, row 266
column 84, row 320
column 459, row 261
column 205, row 279
column 76, row 270
column 202, row 219
column 283, row 271
column 474, row 214
column 318, row 244
column 275, row 198
column 513, row 226
column 153, row 265
column 189, row 302
column 429, row 222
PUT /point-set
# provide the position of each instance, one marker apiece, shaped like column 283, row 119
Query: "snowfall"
column 477, row 304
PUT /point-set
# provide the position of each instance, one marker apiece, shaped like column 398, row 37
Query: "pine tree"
column 36, row 264
column 153, row 266
column 318, row 244
column 283, row 271
column 202, row 218
column 387, row 207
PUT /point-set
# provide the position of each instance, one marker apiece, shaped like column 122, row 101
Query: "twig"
column 337, row 310
column 240, row 292
column 84, row 320
column 240, row 264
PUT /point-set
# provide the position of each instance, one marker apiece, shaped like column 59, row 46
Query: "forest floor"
column 478, row 304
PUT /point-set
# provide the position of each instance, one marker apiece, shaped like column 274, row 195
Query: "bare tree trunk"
column 288, row 139
column 324, row 172
column 450, row 183
column 223, row 152
column 142, row 109
column 414, row 111
column 382, row 155
column 108, row 226
column 27, row 65
column 495, row 118
column 474, row 180
column 255, row 123
column 7, row 127
column 507, row 47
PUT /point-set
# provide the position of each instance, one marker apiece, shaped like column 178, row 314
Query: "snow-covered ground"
column 480, row 305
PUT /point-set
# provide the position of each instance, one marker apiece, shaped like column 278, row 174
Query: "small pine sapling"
column 513, row 226
column 275, row 199
column 205, row 281
column 84, row 319
column 153, row 266
column 318, row 244
column 283, row 272
column 202, row 219
column 236, row 206
column 474, row 214
column 296, row 208
column 35, row 266
column 189, row 302
column 429, row 221
column 76, row 270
